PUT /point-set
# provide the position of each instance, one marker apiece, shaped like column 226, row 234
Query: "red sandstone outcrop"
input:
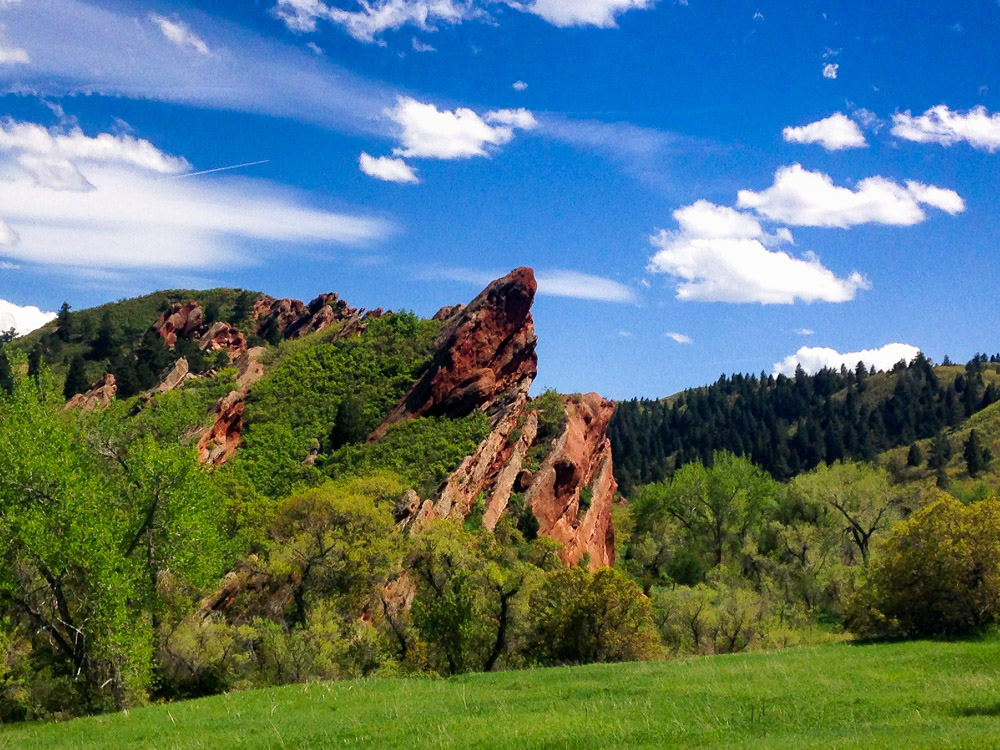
column 281, row 314
column 573, row 490
column 321, row 313
column 222, row 336
column 221, row 441
column 179, row 321
column 485, row 351
column 175, row 377
column 486, row 360
column 447, row 312
column 223, row 438
column 101, row 394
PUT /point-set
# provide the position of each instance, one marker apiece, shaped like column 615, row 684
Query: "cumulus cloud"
column 388, row 169
column 680, row 338
column 519, row 86
column 799, row 197
column 69, row 146
column 941, row 125
column 814, row 359
column 719, row 254
column 830, row 70
column 600, row 13
column 375, row 17
column 835, row 133
column 430, row 133
column 22, row 319
column 179, row 33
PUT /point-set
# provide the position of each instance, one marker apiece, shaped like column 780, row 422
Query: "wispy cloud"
column 180, row 34
column 679, row 338
column 387, row 169
column 551, row 282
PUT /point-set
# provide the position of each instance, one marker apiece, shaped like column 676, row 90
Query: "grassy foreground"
column 924, row 694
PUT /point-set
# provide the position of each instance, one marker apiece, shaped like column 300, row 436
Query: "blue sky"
column 702, row 187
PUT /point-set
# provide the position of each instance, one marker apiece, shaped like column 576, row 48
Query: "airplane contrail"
column 217, row 169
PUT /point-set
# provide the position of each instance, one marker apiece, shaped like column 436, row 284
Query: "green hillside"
column 913, row 695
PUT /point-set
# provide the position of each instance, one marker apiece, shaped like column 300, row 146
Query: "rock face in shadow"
column 485, row 350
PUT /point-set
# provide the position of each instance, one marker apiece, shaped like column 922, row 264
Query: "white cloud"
column 54, row 173
column 375, row 17
column 561, row 283
column 814, row 359
column 131, row 220
column 13, row 55
column 799, row 197
column 74, row 145
column 388, row 169
column 8, row 237
column 551, row 283
column 830, row 70
column 419, row 46
column 22, row 319
column 804, row 331
column 519, row 86
column 250, row 72
column 721, row 255
column 434, row 134
column 179, row 33
column 834, row 133
column 625, row 334
column 600, row 13
column 680, row 338
column 939, row 124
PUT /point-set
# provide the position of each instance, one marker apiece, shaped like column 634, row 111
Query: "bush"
column 936, row 574
column 580, row 618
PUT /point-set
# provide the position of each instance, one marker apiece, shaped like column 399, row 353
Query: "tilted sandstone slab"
column 179, row 321
column 486, row 350
column 100, row 395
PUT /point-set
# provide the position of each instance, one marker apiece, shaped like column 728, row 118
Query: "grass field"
column 913, row 695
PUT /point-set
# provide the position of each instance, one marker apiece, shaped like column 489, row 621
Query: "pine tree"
column 6, row 375
column 76, row 378
column 35, row 359
column 103, row 346
column 940, row 453
column 915, row 457
column 977, row 456
column 65, row 322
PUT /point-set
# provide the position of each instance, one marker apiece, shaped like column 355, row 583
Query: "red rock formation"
column 101, row 394
column 222, row 336
column 487, row 350
column 321, row 313
column 281, row 313
column 486, row 360
column 179, row 321
column 573, row 490
column 447, row 312
column 221, row 441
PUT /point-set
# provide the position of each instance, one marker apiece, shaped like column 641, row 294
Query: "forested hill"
column 788, row 425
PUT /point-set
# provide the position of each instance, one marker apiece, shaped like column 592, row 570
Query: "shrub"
column 579, row 618
column 937, row 574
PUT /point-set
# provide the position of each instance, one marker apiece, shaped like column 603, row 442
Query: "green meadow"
column 907, row 695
